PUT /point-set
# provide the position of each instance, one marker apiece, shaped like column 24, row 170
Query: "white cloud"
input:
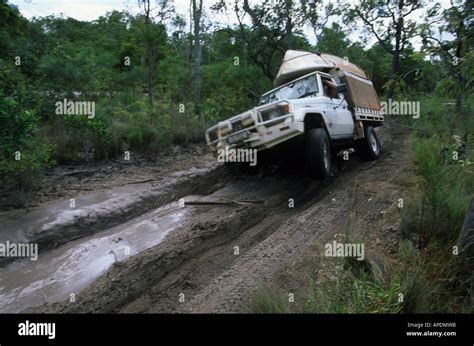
column 92, row 9
column 81, row 10
column 89, row 9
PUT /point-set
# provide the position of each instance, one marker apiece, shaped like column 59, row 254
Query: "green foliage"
column 342, row 291
column 22, row 155
column 334, row 40
column 349, row 294
column 12, row 25
column 269, row 300
column 378, row 66
column 447, row 181
column 230, row 89
column 452, row 87
column 435, row 280
column 446, row 189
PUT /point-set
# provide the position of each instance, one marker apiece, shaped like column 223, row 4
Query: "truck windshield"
column 295, row 90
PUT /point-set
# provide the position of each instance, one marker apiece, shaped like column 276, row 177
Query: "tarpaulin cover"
column 297, row 63
column 361, row 92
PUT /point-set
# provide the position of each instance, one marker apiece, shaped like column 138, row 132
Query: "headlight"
column 273, row 113
column 285, row 107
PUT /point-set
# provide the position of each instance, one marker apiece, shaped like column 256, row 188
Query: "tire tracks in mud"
column 210, row 228
column 203, row 253
column 272, row 244
column 197, row 262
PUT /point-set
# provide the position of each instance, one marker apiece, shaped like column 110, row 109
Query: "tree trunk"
column 149, row 53
column 197, row 11
column 189, row 76
column 459, row 77
column 394, row 66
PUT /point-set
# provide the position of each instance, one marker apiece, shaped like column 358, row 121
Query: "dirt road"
column 137, row 248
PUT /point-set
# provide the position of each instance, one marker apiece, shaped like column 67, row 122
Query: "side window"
column 329, row 87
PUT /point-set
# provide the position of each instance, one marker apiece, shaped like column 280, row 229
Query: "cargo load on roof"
column 361, row 93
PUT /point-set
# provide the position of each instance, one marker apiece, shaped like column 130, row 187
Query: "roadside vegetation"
column 443, row 144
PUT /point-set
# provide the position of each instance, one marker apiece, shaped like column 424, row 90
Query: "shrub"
column 22, row 155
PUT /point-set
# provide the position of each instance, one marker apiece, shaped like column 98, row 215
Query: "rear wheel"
column 318, row 154
column 368, row 147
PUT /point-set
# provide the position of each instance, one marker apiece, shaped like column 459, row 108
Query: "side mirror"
column 341, row 88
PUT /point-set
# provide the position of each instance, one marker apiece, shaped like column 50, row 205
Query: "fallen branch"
column 141, row 181
column 244, row 202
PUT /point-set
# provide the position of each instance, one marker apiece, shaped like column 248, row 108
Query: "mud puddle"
column 68, row 269
column 57, row 223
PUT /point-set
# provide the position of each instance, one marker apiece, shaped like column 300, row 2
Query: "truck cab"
column 317, row 93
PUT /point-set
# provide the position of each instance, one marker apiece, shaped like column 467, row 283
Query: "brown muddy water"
column 63, row 272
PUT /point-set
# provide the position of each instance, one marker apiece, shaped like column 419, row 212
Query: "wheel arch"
column 313, row 121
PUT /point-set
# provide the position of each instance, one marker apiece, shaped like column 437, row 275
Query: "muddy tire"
column 318, row 154
column 368, row 148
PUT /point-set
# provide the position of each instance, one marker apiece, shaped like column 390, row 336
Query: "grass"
column 270, row 299
column 338, row 288
column 353, row 293
column 438, row 280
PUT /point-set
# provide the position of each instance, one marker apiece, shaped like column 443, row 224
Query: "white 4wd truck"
column 334, row 106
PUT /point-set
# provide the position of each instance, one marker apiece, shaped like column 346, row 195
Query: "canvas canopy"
column 361, row 92
column 297, row 63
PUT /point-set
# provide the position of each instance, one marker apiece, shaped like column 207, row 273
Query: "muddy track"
column 108, row 209
column 225, row 247
column 209, row 229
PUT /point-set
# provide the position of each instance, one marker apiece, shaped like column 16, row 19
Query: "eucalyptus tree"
column 449, row 35
column 154, row 17
column 275, row 26
column 392, row 23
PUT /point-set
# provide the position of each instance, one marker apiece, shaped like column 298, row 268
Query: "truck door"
column 341, row 123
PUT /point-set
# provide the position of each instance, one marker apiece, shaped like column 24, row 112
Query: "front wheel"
column 318, row 154
column 369, row 146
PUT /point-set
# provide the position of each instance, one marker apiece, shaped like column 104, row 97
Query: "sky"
column 92, row 9
column 87, row 9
